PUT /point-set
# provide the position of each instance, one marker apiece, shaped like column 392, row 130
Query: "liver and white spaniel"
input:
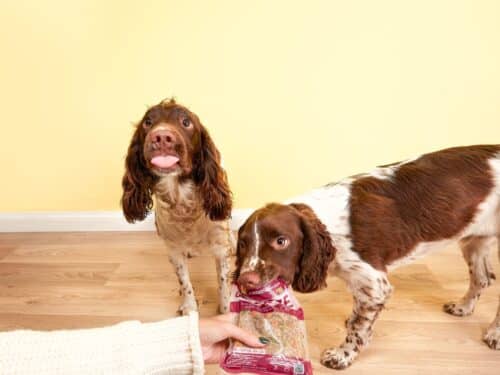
column 364, row 226
column 173, row 158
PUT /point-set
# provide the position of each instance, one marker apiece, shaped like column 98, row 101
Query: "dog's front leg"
column 178, row 261
column 222, row 266
column 370, row 289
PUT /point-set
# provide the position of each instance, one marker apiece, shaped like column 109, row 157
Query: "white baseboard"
column 86, row 221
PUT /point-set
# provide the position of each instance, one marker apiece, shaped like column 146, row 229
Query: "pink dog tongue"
column 164, row 161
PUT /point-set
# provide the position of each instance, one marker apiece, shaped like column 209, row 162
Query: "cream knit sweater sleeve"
column 165, row 347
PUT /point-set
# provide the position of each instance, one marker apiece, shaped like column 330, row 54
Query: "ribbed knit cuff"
column 171, row 346
column 194, row 337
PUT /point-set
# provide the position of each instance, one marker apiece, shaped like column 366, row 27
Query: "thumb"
column 245, row 337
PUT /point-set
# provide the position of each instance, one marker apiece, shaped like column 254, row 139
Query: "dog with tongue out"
column 173, row 165
column 164, row 161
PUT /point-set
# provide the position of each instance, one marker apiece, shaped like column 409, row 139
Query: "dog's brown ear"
column 317, row 252
column 238, row 260
column 137, row 181
column 211, row 179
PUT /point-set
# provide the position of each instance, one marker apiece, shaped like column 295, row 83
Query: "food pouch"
column 274, row 313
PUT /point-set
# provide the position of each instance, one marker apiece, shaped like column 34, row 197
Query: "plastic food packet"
column 274, row 313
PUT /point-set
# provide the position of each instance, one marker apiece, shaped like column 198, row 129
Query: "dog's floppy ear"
column 317, row 252
column 238, row 260
column 211, row 179
column 137, row 181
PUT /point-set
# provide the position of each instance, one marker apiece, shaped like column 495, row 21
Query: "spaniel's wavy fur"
column 192, row 197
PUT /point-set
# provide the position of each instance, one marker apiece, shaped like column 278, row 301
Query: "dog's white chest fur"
column 181, row 221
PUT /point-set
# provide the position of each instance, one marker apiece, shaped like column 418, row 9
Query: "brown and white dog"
column 172, row 157
column 362, row 227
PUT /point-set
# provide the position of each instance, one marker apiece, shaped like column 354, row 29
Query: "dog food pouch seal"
column 274, row 313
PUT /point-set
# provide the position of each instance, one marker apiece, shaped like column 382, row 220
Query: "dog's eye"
column 148, row 122
column 186, row 122
column 281, row 242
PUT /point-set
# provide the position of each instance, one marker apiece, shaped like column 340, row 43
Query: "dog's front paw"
column 458, row 309
column 492, row 338
column 337, row 358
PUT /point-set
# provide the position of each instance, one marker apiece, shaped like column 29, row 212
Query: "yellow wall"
column 295, row 93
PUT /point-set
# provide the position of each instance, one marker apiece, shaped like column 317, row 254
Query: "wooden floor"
column 75, row 280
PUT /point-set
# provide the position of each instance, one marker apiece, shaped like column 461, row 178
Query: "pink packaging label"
column 274, row 297
column 265, row 364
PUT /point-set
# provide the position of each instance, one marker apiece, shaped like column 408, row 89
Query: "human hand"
column 215, row 333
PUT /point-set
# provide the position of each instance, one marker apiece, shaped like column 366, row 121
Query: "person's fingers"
column 245, row 337
column 228, row 317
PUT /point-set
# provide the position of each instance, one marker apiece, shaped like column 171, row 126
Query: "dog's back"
column 446, row 195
